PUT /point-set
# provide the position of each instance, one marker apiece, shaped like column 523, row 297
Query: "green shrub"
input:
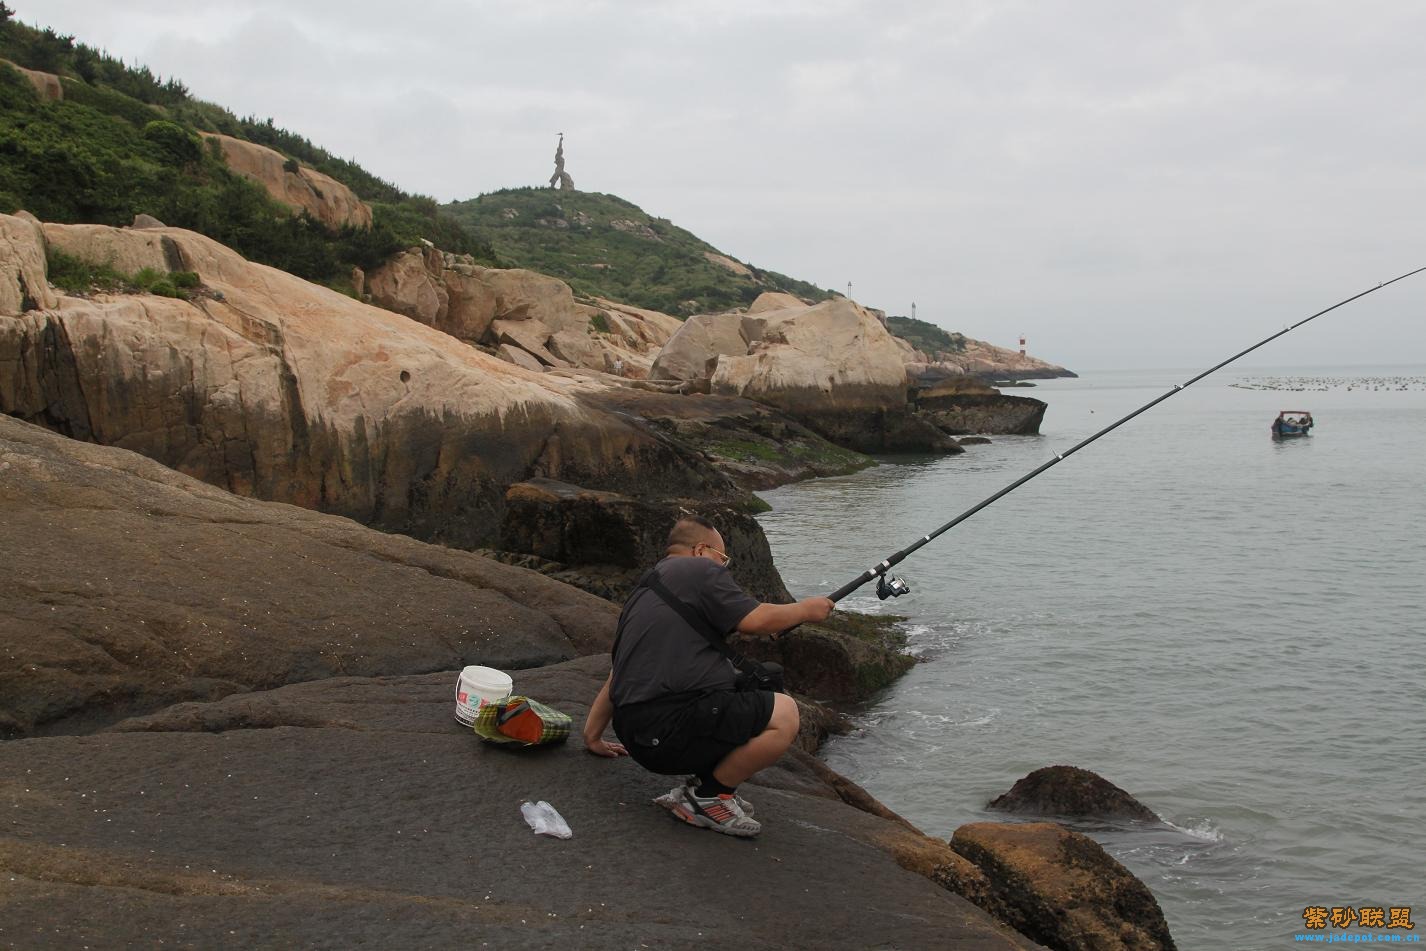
column 176, row 144
column 109, row 102
column 599, row 323
column 184, row 280
column 165, row 288
column 291, row 166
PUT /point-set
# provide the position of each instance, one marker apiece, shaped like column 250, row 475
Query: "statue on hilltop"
column 560, row 179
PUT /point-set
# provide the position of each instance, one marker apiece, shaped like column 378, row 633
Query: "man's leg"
column 764, row 749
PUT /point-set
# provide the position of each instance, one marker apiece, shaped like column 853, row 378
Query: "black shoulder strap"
column 694, row 619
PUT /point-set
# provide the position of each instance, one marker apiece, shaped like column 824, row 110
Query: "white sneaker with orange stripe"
column 719, row 813
column 675, row 796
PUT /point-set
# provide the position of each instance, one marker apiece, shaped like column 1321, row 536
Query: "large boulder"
column 1070, row 791
column 1061, row 888
column 831, row 365
column 23, row 283
column 272, row 387
column 995, row 413
column 129, row 586
column 828, row 357
column 303, row 189
column 693, row 351
column 406, row 285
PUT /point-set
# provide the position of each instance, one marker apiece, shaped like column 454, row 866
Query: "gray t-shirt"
column 658, row 653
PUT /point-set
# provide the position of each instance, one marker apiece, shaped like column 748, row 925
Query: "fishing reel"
column 890, row 586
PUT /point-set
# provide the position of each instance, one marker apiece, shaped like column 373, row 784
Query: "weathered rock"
column 361, row 814
column 831, row 356
column 775, row 300
column 520, row 357
column 324, row 198
column 997, row 414
column 47, row 85
column 825, row 662
column 832, row 366
column 756, row 445
column 620, row 537
column 403, row 284
column 276, row 388
column 528, row 335
column 23, row 282
column 1061, row 889
column 142, row 220
column 125, row 250
column 693, row 351
column 1070, row 791
column 573, row 347
column 129, row 586
column 982, row 361
column 529, row 295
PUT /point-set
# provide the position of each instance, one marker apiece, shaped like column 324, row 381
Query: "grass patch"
column 77, row 276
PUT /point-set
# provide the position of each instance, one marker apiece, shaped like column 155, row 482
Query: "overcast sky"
column 1128, row 183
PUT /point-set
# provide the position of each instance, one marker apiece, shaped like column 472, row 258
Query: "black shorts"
column 692, row 734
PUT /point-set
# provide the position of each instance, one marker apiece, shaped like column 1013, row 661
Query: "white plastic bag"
column 544, row 820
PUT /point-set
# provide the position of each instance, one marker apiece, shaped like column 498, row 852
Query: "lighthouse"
column 1022, row 345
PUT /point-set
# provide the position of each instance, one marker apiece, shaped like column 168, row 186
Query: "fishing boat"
column 1292, row 422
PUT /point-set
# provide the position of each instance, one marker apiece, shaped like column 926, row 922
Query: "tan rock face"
column 276, row 388
column 488, row 306
column 125, row 250
column 775, row 300
column 47, row 85
column 23, row 284
column 701, row 340
column 321, row 196
column 830, row 356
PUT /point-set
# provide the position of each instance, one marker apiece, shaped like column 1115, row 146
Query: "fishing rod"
column 893, row 587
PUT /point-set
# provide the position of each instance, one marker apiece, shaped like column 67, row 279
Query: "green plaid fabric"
column 521, row 720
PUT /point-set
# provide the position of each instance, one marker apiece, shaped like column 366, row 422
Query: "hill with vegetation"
column 925, row 336
column 604, row 246
column 124, row 141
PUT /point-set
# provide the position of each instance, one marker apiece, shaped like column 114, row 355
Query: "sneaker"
column 674, row 796
column 719, row 813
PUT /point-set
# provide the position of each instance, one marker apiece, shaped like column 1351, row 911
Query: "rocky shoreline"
column 254, row 532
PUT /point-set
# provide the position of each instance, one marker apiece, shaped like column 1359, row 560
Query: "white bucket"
column 478, row 686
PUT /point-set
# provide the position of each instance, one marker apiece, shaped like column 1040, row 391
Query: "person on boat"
column 675, row 699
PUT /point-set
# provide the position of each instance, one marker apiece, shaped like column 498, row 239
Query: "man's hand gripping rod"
column 894, row 587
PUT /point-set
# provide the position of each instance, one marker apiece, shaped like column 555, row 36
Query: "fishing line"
column 892, row 587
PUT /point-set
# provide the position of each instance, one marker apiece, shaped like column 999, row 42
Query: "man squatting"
column 674, row 698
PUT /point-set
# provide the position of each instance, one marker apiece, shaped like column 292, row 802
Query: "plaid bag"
column 521, row 720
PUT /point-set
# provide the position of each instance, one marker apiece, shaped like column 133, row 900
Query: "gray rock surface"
column 129, row 586
column 361, row 814
column 1070, row 791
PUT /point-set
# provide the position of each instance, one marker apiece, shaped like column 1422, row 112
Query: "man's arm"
column 771, row 619
column 600, row 713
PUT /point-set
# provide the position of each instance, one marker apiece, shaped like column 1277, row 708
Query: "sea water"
column 1229, row 627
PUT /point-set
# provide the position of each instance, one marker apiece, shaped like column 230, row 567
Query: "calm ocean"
column 1232, row 629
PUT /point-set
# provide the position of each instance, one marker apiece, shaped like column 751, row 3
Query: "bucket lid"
column 485, row 679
